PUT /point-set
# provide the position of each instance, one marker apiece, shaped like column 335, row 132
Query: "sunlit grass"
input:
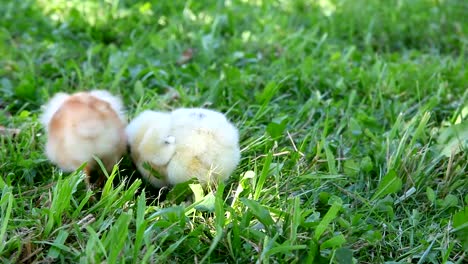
column 93, row 12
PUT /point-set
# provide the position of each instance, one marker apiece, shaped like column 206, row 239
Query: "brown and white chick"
column 150, row 142
column 206, row 146
column 82, row 125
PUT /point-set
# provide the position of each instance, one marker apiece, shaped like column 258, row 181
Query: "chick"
column 150, row 142
column 207, row 146
column 82, row 125
column 187, row 143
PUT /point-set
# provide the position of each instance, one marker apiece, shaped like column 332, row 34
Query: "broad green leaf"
column 276, row 128
column 354, row 127
column 324, row 197
column 450, row 201
column 453, row 139
column 344, row 256
column 173, row 214
column 330, row 160
column 207, row 204
column 244, row 183
column 198, row 192
column 460, row 224
column 460, row 219
column 2, row 183
column 138, row 89
column 389, row 184
column 26, row 89
column 284, row 249
column 334, row 199
column 430, row 194
column 259, row 211
column 329, row 216
column 351, row 168
column 59, row 240
column 7, row 87
column 333, row 242
column 268, row 92
column 179, row 192
column 372, row 236
column 366, row 164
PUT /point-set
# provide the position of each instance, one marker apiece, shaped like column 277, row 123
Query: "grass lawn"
column 353, row 116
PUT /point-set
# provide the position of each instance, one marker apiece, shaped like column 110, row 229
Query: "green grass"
column 352, row 116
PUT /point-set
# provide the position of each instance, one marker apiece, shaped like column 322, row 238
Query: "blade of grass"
column 263, row 175
column 6, row 205
column 326, row 220
column 219, row 221
column 140, row 224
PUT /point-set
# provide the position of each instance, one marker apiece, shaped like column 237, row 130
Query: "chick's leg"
column 100, row 180
column 101, row 176
column 87, row 172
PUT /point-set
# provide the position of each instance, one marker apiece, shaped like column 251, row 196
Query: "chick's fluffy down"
column 82, row 125
column 150, row 142
column 207, row 146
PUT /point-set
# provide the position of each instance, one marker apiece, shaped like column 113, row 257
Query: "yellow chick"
column 207, row 146
column 82, row 125
column 150, row 142
column 187, row 143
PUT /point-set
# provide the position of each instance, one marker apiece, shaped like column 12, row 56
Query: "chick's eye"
column 169, row 140
column 198, row 115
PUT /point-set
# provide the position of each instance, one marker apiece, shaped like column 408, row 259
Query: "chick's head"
column 149, row 138
column 157, row 148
